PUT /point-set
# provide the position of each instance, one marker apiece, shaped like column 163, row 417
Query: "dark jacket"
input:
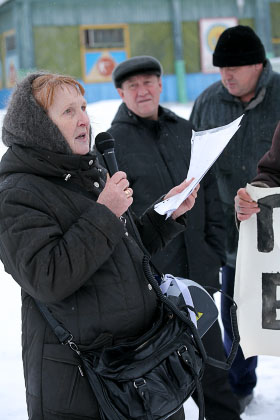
column 269, row 165
column 156, row 155
column 73, row 254
column 238, row 162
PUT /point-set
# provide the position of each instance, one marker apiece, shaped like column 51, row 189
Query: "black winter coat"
column 237, row 164
column 73, row 254
column 156, row 155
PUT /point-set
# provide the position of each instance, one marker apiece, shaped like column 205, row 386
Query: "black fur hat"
column 238, row 46
column 135, row 65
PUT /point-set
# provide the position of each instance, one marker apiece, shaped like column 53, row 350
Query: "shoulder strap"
column 64, row 336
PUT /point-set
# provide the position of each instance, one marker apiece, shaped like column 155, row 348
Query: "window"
column 102, row 48
column 10, row 42
column 11, row 59
column 104, row 38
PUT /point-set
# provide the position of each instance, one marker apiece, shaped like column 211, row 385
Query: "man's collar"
column 260, row 88
column 163, row 114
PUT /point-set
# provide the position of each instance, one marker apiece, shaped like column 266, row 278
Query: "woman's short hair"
column 43, row 87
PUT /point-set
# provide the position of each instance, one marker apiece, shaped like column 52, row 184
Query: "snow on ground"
column 266, row 404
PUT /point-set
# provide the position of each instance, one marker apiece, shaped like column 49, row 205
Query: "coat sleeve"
column 47, row 262
column 156, row 231
column 269, row 165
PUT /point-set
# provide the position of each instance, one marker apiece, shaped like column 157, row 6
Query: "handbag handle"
column 234, row 327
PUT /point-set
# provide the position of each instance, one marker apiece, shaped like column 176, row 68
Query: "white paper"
column 206, row 148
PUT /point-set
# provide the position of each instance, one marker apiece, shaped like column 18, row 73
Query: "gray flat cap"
column 135, row 65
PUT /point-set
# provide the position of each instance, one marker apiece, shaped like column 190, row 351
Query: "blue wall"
column 4, row 97
column 195, row 83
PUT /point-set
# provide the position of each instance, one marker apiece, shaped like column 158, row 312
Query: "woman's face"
column 68, row 112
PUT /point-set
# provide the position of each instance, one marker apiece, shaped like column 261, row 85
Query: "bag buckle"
column 73, row 346
column 182, row 350
column 143, row 392
column 139, row 382
column 68, row 340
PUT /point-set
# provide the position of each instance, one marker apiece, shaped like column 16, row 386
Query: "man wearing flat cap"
column 248, row 85
column 153, row 146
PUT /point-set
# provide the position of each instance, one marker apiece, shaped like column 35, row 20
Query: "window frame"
column 102, row 50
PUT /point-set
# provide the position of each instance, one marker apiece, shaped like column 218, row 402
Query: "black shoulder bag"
column 151, row 377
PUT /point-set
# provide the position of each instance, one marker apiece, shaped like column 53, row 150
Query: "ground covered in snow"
column 265, row 406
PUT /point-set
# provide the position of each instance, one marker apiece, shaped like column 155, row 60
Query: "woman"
column 63, row 241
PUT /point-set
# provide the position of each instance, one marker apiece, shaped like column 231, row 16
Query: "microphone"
column 105, row 143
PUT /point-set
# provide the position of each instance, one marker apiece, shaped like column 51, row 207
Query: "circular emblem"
column 105, row 66
column 213, row 35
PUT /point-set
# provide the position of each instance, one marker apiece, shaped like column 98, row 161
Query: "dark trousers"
column 220, row 402
column 242, row 374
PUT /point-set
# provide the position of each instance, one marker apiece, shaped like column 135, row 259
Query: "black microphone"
column 105, row 143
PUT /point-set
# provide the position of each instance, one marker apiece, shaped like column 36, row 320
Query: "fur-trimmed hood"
column 27, row 124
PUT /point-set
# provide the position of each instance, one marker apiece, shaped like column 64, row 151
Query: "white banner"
column 257, row 280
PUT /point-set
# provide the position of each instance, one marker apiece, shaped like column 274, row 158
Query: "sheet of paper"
column 206, row 148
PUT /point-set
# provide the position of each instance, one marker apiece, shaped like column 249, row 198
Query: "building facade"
column 87, row 38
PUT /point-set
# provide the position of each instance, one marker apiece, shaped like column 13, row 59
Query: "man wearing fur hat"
column 153, row 146
column 248, row 86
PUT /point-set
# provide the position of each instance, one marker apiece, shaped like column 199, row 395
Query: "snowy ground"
column 266, row 405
